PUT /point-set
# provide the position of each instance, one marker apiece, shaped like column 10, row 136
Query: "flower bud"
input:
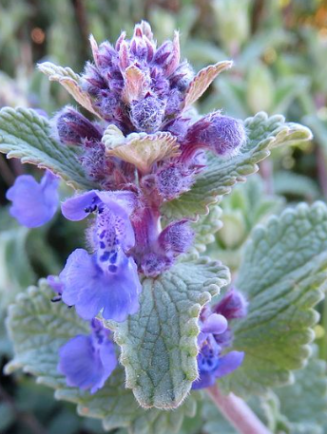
column 176, row 237
column 147, row 114
column 232, row 306
column 222, row 135
column 72, row 127
column 182, row 77
column 173, row 181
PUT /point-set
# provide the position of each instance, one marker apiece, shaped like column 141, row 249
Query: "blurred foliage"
column 279, row 50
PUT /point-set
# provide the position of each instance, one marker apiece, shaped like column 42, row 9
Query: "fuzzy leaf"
column 70, row 81
column 304, row 403
column 15, row 267
column 143, row 150
column 222, row 174
column 205, row 229
column 202, row 81
column 26, row 135
column 159, row 343
column 282, row 275
column 39, row 328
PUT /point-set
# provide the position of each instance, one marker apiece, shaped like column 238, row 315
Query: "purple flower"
column 215, row 336
column 88, row 361
column 33, row 203
column 213, row 366
column 106, row 280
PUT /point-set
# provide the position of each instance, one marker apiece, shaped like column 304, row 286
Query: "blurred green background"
column 280, row 52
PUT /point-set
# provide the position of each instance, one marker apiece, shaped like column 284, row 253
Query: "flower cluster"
column 216, row 336
column 144, row 149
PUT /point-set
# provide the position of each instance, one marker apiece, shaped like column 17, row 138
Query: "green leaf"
column 221, row 175
column 39, row 328
column 291, row 183
column 205, row 229
column 282, row 275
column 15, row 267
column 159, row 343
column 26, row 135
column 304, row 403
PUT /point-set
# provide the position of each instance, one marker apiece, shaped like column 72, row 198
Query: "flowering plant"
column 152, row 319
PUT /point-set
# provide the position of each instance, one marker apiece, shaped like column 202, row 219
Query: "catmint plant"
column 139, row 318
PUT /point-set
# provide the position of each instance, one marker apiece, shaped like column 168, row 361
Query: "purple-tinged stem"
column 237, row 412
column 321, row 167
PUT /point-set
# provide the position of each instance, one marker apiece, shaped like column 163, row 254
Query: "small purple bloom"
column 107, row 280
column 215, row 336
column 79, row 207
column 33, row 203
column 212, row 366
column 88, row 361
column 232, row 306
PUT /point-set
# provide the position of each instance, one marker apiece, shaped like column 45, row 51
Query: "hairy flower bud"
column 173, row 180
column 232, row 306
column 222, row 135
column 147, row 114
column 176, row 237
column 72, row 127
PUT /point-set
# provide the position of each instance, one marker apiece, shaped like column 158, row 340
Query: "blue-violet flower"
column 106, row 280
column 87, row 361
column 215, row 336
column 33, row 203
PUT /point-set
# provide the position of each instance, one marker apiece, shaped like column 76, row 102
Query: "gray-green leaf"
column 304, row 403
column 159, row 342
column 282, row 275
column 27, row 136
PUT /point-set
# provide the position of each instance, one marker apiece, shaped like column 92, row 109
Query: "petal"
column 81, row 280
column 215, row 323
column 229, row 363
column 79, row 363
column 126, row 199
column 91, row 289
column 206, row 379
column 114, row 223
column 75, row 208
column 33, row 204
column 85, row 364
column 122, row 295
column 108, row 360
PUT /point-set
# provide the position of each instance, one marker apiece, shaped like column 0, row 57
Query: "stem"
column 322, row 172
column 237, row 412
